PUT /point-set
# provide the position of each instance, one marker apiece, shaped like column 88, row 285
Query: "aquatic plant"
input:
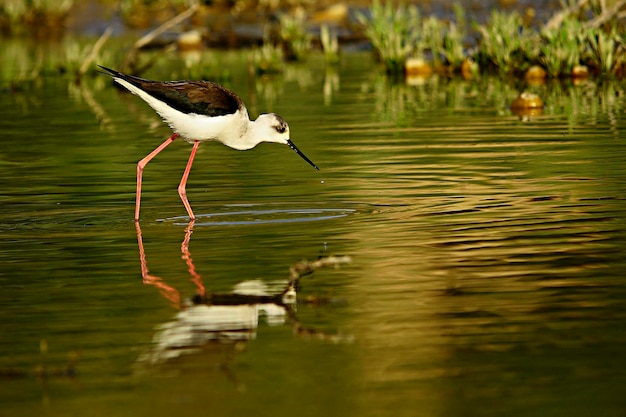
column 444, row 40
column 504, row 41
column 561, row 48
column 143, row 13
column 39, row 17
column 452, row 46
column 620, row 58
column 393, row 32
column 602, row 49
column 25, row 64
column 330, row 44
column 268, row 58
column 596, row 26
column 431, row 35
column 583, row 32
column 294, row 35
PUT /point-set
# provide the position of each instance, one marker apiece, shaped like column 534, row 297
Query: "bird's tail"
column 131, row 79
column 109, row 71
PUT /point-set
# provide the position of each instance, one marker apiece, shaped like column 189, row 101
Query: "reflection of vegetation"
column 402, row 104
column 25, row 62
column 44, row 370
column 268, row 58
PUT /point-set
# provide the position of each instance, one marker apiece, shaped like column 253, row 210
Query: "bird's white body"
column 234, row 130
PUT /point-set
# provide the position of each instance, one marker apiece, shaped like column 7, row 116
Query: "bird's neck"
column 244, row 136
column 250, row 136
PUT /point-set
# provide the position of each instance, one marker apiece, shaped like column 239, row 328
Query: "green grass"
column 393, row 32
column 584, row 36
column 330, row 44
column 294, row 35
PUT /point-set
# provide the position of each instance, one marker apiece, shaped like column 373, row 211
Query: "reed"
column 37, row 17
column 431, row 31
column 294, row 35
column 393, row 32
column 561, row 48
column 503, row 41
column 144, row 13
column 604, row 48
column 268, row 59
column 452, row 47
column 330, row 44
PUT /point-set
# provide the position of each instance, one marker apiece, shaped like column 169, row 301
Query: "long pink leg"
column 182, row 187
column 142, row 164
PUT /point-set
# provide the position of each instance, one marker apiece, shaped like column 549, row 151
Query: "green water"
column 487, row 252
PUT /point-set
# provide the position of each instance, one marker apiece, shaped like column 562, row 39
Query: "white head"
column 271, row 127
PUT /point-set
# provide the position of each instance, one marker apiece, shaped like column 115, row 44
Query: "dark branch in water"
column 296, row 272
column 305, row 267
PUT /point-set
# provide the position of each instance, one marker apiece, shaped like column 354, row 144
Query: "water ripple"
column 256, row 216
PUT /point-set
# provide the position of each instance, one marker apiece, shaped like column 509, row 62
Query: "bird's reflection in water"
column 227, row 318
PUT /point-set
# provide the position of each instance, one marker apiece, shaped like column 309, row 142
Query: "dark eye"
column 280, row 129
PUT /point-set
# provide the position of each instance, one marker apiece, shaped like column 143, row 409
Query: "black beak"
column 296, row 150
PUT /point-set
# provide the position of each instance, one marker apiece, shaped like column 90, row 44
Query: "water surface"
column 487, row 252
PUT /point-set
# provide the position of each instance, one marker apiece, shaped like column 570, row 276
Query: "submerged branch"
column 296, row 272
column 305, row 267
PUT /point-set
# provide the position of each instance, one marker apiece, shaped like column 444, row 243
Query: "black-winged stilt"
column 201, row 111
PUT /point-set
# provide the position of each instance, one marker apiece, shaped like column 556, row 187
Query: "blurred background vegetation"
column 566, row 39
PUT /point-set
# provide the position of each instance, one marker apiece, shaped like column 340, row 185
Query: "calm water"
column 488, row 253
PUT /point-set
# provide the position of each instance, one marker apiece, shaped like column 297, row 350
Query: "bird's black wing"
column 199, row 97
